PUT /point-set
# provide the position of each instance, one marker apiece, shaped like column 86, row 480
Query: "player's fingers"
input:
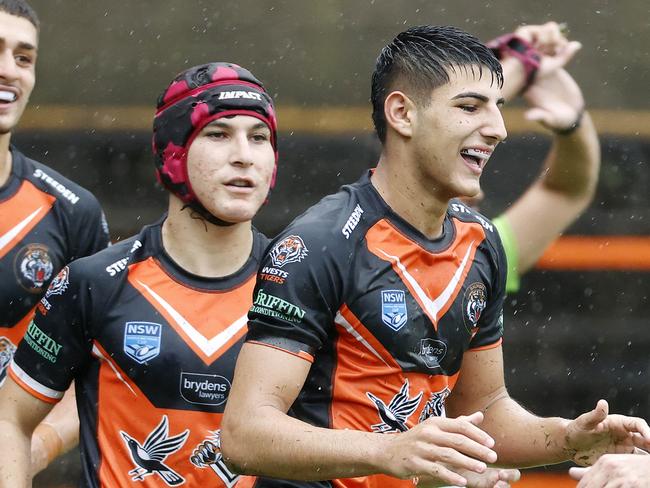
column 509, row 475
column 539, row 115
column 636, row 425
column 435, row 473
column 467, row 427
column 476, row 418
column 546, row 37
column 457, row 446
column 566, row 54
column 556, row 39
column 577, row 473
column 590, row 420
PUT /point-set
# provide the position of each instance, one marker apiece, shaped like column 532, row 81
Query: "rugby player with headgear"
column 149, row 329
column 46, row 220
column 377, row 361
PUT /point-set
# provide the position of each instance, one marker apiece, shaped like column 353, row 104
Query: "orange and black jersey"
column 152, row 350
column 46, row 221
column 384, row 314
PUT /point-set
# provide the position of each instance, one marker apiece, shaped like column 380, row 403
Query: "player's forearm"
column 514, row 77
column 280, row 446
column 15, row 460
column 574, row 162
column 523, row 439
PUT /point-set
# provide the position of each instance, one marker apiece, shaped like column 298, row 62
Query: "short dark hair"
column 421, row 58
column 20, row 8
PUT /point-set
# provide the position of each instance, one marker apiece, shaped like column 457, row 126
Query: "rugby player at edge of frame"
column 46, row 221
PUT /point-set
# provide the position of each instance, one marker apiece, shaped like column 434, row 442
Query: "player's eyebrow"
column 478, row 96
column 25, row 46
column 225, row 125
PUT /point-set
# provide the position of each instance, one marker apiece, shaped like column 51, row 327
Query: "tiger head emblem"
column 291, row 249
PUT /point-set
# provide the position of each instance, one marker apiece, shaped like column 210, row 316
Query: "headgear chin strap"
column 193, row 99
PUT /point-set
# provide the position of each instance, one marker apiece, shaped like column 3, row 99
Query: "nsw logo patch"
column 142, row 340
column 393, row 308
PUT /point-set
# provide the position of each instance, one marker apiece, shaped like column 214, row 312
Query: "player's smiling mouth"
column 475, row 156
column 8, row 96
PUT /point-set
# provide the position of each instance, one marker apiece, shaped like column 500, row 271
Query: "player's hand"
column 436, row 448
column 491, row 478
column 547, row 38
column 555, row 100
column 615, row 470
column 596, row 433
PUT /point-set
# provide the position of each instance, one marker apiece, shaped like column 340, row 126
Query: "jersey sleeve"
column 512, row 252
column 298, row 290
column 490, row 323
column 55, row 346
column 91, row 233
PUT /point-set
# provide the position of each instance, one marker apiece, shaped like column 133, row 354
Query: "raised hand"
column 438, row 447
column 595, row 433
column 555, row 100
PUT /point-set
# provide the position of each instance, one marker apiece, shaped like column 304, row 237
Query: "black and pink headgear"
column 196, row 97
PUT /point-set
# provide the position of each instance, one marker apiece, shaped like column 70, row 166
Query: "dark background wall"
column 309, row 52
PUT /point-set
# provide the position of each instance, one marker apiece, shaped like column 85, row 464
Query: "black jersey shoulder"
column 67, row 192
column 110, row 263
column 464, row 213
column 340, row 220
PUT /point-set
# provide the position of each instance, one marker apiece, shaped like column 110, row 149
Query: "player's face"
column 230, row 164
column 456, row 133
column 18, row 44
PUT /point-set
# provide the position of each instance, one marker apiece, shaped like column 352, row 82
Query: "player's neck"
column 202, row 248
column 5, row 158
column 404, row 193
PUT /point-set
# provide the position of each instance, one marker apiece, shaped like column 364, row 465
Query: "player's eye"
column 216, row 134
column 260, row 137
column 23, row 60
column 468, row 108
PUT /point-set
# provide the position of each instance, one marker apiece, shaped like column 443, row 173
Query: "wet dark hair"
column 421, row 59
column 20, row 8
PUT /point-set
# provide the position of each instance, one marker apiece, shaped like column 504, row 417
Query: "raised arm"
column 258, row 437
column 20, row 413
column 569, row 175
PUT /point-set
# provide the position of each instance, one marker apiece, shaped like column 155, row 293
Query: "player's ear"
column 399, row 111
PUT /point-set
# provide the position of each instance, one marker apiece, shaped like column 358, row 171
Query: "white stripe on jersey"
column 35, row 385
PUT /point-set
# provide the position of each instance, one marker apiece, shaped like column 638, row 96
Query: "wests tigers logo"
column 474, row 302
column 291, row 249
